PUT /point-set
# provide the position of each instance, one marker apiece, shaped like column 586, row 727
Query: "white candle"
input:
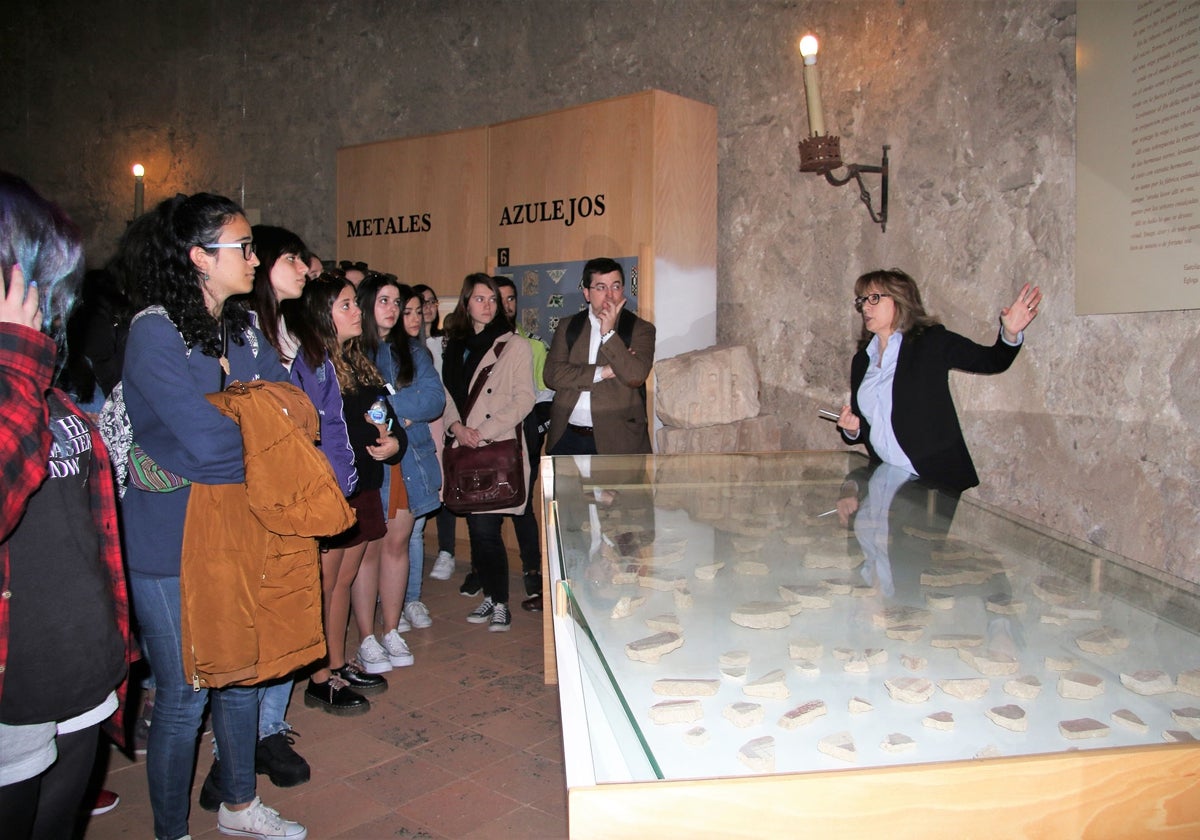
column 139, row 195
column 812, row 86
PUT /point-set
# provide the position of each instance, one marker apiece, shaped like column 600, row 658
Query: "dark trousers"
column 447, row 521
column 573, row 443
column 50, row 805
column 525, row 524
column 488, row 556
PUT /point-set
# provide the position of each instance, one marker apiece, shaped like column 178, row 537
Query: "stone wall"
column 1094, row 430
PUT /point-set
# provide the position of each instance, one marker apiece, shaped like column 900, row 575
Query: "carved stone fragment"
column 653, row 648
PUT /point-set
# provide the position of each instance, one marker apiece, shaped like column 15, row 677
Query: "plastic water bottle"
column 378, row 411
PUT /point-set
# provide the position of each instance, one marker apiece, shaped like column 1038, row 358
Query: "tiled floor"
column 465, row 743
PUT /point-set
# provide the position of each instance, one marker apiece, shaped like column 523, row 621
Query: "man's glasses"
column 247, row 247
column 872, row 299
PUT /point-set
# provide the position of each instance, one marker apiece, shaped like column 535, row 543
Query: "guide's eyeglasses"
column 872, row 299
column 247, row 247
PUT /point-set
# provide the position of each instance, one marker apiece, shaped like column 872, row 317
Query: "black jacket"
column 923, row 415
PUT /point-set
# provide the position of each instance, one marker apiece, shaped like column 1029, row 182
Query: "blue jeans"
column 273, row 699
column 416, row 560
column 171, row 751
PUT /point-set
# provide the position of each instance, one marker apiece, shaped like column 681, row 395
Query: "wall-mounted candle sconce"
column 822, row 153
column 139, row 194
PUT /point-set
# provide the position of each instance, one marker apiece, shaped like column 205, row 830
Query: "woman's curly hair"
column 170, row 279
column 315, row 331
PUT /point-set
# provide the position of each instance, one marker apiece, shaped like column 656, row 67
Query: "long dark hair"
column 398, row 339
column 911, row 317
column 436, row 329
column 38, row 236
column 317, row 335
column 458, row 322
column 271, row 243
column 170, row 278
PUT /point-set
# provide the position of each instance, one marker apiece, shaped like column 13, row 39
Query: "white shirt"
column 581, row 415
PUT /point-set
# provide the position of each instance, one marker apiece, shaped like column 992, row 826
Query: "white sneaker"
column 443, row 566
column 418, row 615
column 372, row 657
column 402, row 626
column 258, row 821
column 397, row 651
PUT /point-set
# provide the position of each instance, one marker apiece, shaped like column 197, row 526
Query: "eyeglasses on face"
column 872, row 299
column 247, row 247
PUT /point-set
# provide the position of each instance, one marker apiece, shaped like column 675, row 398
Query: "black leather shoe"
column 335, row 697
column 533, row 583
column 274, row 756
column 210, row 791
column 533, row 603
column 360, row 680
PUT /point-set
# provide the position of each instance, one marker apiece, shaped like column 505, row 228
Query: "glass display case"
column 747, row 643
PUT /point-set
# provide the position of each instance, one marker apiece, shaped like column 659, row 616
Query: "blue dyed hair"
column 38, row 236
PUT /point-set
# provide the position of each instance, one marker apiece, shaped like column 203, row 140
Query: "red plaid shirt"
column 26, row 366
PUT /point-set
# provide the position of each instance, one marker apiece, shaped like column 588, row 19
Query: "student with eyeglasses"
column 900, row 403
column 192, row 341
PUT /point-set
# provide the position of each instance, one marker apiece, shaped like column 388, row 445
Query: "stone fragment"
column 1055, row 590
column 818, row 558
column 859, row 705
column 1075, row 612
column 805, row 648
column 939, row 600
column 990, row 663
column 771, row 685
column 746, row 544
column 905, row 632
column 1187, row 717
column 751, row 567
column 756, row 434
column 743, row 714
column 971, row 688
column 1189, row 682
column 734, row 657
column 1130, row 720
column 686, row 687
column 661, row 581
column 665, row 623
column 956, row 640
column 914, row 663
column 939, row 720
column 1103, row 642
column 625, row 606
column 1148, row 682
column 811, row 597
column 709, row 571
column 839, row 586
column 706, row 387
column 803, row 714
column 1009, row 716
column 990, row 751
column 839, row 745
column 697, row 736
column 759, row 754
column 1048, row 618
column 806, row 668
column 1081, row 728
column 1027, row 687
column 967, row 575
column 676, row 711
column 762, row 615
column 626, row 574
column 909, row 689
column 653, row 648
column 1178, row 736
column 1059, row 663
column 1079, row 685
column 898, row 742
column 900, row 616
column 683, row 599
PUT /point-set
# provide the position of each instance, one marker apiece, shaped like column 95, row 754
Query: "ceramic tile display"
column 915, row 633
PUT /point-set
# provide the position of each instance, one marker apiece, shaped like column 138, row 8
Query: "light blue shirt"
column 875, row 401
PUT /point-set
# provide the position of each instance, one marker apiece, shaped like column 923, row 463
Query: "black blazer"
column 923, row 415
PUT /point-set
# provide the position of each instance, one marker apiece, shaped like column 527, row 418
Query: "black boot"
column 336, row 697
column 210, row 791
column 275, row 757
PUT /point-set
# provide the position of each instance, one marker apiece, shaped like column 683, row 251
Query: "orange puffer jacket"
column 250, row 575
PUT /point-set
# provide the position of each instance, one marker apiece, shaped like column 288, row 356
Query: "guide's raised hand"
column 20, row 304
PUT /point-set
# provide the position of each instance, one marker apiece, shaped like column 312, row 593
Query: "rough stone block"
column 707, row 387
column 756, row 434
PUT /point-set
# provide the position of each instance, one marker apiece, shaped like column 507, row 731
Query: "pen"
column 828, row 415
